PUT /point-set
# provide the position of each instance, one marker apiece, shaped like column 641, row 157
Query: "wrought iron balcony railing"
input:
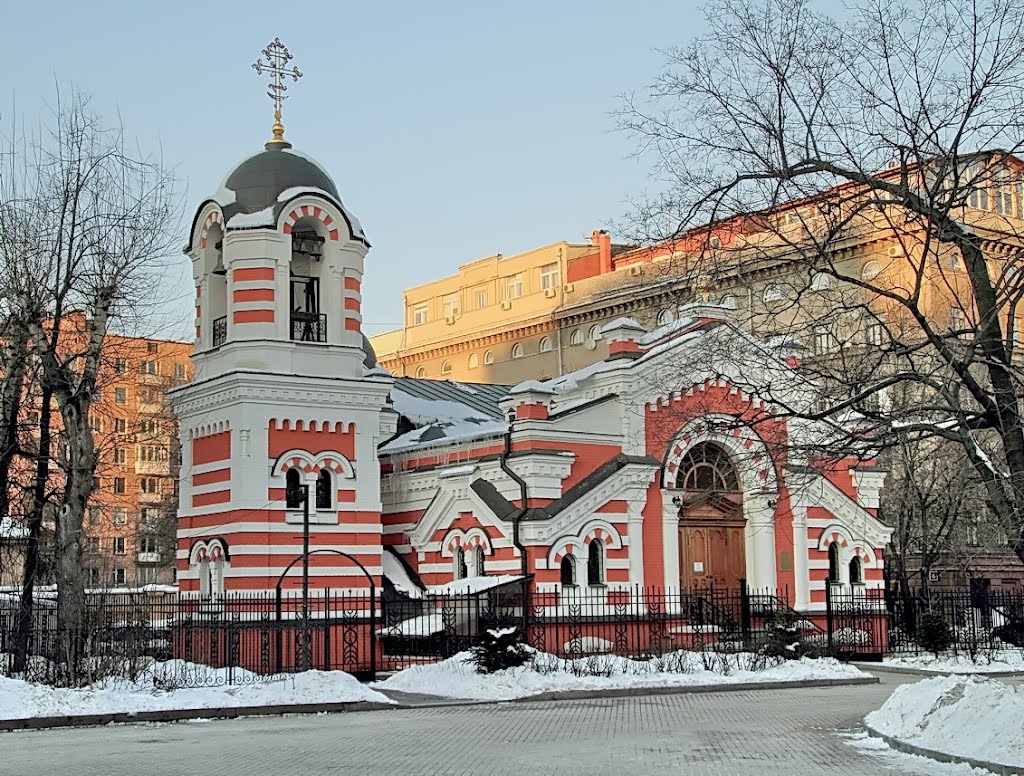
column 309, row 327
column 220, row 330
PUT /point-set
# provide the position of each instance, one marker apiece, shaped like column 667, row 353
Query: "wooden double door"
column 712, row 549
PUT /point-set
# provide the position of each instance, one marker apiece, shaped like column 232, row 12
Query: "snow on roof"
column 622, row 323
column 395, row 572
column 424, row 625
column 473, row 585
column 260, row 218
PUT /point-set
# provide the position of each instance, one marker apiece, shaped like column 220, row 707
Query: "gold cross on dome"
column 277, row 58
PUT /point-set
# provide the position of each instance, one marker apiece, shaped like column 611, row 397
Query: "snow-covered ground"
column 964, row 716
column 457, row 677
column 20, row 699
column 996, row 662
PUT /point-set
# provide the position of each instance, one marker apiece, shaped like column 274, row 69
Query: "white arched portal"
column 758, row 481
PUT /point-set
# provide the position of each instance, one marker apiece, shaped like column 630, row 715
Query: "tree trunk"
column 14, row 366
column 35, row 528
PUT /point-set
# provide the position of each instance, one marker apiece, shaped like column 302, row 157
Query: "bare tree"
column 858, row 177
column 97, row 221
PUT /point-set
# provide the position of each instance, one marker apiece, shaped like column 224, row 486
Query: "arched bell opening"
column 712, row 547
column 306, row 281
column 216, row 301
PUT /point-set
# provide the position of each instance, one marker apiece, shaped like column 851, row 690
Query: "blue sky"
column 454, row 130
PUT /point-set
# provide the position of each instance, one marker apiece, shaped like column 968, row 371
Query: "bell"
column 220, row 269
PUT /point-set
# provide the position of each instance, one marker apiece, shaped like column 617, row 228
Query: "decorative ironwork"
column 277, row 58
column 220, row 331
column 309, row 327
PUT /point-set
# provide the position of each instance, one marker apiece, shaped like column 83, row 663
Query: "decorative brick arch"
column 215, row 216
column 849, row 547
column 749, row 453
column 208, row 549
column 311, row 463
column 467, row 540
column 595, row 529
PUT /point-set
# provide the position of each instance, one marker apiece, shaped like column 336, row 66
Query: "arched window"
column 833, row 563
column 324, row 488
column 421, row 372
column 292, row 489
column 205, row 580
column 773, row 293
column 707, row 469
column 474, row 361
column 479, row 559
column 728, row 301
column 576, row 338
column 217, row 576
column 545, row 344
column 461, row 572
column 517, row 351
column 871, row 270
column 446, row 367
column 595, row 562
column 568, row 570
column 856, row 571
column 595, row 332
column 665, row 317
column 488, row 357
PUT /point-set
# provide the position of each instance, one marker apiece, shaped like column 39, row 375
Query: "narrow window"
column 517, row 351
column 446, row 367
column 595, row 562
column 833, row 563
column 568, row 571
column 461, row 572
column 479, row 559
column 856, row 571
column 292, row 489
column 489, row 357
column 421, row 372
column 474, row 361
column 576, row 338
column 595, row 332
column 665, row 317
column 545, row 344
column 323, row 490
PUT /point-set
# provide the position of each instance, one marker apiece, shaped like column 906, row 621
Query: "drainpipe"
column 517, row 518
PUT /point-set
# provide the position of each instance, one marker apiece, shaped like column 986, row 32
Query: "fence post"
column 745, row 613
column 828, row 613
column 373, row 628
column 279, row 645
column 328, row 663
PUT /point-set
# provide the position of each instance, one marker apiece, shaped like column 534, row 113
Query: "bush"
column 1012, row 633
column 783, row 637
column 934, row 633
column 499, row 649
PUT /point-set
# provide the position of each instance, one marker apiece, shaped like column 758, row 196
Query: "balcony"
column 148, row 557
column 159, row 468
column 309, row 327
column 220, row 330
column 145, row 497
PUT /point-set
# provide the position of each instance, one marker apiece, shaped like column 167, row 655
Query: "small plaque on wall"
column 698, row 567
column 785, row 561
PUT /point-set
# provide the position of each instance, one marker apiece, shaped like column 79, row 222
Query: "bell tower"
column 286, row 390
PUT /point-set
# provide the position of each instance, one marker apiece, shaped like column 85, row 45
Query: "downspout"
column 516, row 516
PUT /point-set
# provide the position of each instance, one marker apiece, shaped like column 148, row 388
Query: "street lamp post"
column 305, row 577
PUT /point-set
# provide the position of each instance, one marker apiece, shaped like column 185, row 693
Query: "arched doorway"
column 711, row 522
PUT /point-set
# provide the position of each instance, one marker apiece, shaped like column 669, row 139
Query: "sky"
column 453, row 130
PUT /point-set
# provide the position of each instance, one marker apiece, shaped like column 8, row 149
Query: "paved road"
column 762, row 732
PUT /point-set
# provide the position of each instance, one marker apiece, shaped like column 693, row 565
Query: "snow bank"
column 20, row 699
column 998, row 662
column 456, row 677
column 957, row 715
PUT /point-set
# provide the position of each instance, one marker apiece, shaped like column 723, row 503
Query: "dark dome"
column 259, row 180
column 369, row 356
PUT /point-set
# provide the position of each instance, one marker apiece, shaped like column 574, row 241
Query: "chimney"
column 603, row 241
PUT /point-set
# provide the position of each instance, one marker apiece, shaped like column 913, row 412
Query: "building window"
column 151, row 347
column 179, row 371
column 474, row 361
column 488, row 357
column 856, row 571
column 479, row 561
column 452, row 305
column 873, row 333
column 119, row 425
column 324, row 490
column 119, row 577
column 833, row 563
column 120, row 396
column 870, row 271
column 120, row 366
column 147, row 575
column 461, row 572
column 956, row 320
column 517, row 351
column 421, row 372
column 595, row 333
column 292, row 489
column 595, row 562
column 149, row 368
column 94, row 515
column 481, row 300
column 824, row 341
column 150, row 516
column 117, row 545
column 118, row 484
column 119, row 455
column 419, row 314
column 545, row 344
column 92, row 546
column 95, row 423
column 120, row 516
column 446, row 367
column 550, row 277
column 147, row 426
column 92, row 577
column 513, row 287
column 148, row 544
column 149, row 485
column 665, row 317
column 576, row 338
column 567, row 570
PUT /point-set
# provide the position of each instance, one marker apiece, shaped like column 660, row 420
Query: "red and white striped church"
column 654, row 467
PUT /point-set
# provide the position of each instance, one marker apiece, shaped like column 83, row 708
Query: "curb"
column 923, row 672
column 944, row 757
column 234, row 712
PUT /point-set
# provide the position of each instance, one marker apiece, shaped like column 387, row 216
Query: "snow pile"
column 473, row 585
column 439, row 421
column 957, row 715
column 456, row 677
column 154, row 690
column 1003, row 661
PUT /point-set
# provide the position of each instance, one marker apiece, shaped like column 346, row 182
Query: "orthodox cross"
column 277, row 57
